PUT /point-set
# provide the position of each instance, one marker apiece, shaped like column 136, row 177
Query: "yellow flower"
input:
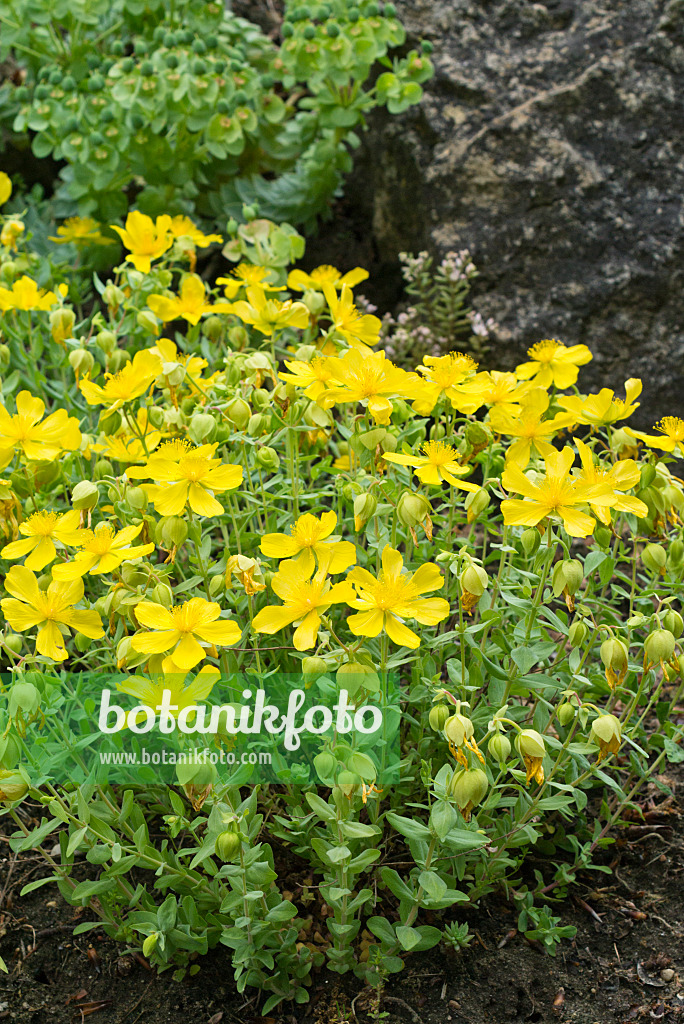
column 439, row 463
column 269, row 315
column 183, row 227
column 248, row 572
column 314, row 377
column 25, row 294
column 122, row 387
column 81, row 231
column 671, row 438
column 553, row 363
column 310, row 539
column 246, row 275
column 354, row 327
column 369, row 378
column 150, row 691
column 189, row 631
column 30, row 606
column 102, row 550
column 557, row 493
column 11, row 231
column 304, row 598
column 318, row 278
column 189, row 476
column 442, row 377
column 604, row 408
column 190, row 305
column 26, row 433
column 493, row 388
column 525, row 423
column 5, row 187
column 394, row 596
column 621, row 477
column 145, row 239
column 39, row 531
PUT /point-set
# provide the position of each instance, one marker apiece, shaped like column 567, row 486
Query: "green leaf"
column 408, row 827
column 408, row 937
column 39, row 882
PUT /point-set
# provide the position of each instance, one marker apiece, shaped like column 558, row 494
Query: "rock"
column 551, row 144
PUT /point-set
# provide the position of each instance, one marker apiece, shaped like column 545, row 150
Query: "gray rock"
column 550, row 143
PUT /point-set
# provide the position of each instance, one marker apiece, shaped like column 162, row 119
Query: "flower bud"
column 150, row 943
column 24, row 697
column 62, row 324
column 81, row 361
column 106, row 341
column 102, row 468
column 202, row 428
column 474, row 580
column 412, row 509
column 364, row 509
column 171, row 532
column 13, row 786
column 438, row 717
column 530, row 743
column 148, row 322
column 13, row 642
column 606, row 733
column 325, row 764
column 467, row 788
column 647, row 475
column 213, row 328
column 567, row 576
column 227, row 846
column 314, row 301
column 659, row 646
column 602, row 535
column 530, row 540
column 10, row 232
column 499, row 747
column 313, row 668
column 675, row 555
column 458, row 729
column 261, row 399
column 259, row 423
column 267, row 458
column 238, row 412
column 113, row 297
column 124, row 650
column 477, row 435
column 84, row 496
column 110, row 422
column 476, row 502
column 566, row 713
column 348, row 783
column 136, row 497
column 162, row 594
column 238, row 337
column 614, row 654
column 118, row 360
column 354, row 676
column 578, row 633
column 673, row 622
column 654, row 557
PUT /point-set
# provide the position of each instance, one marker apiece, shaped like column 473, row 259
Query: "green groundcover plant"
column 183, row 105
column 207, row 483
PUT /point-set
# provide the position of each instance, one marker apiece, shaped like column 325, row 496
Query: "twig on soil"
column 7, row 880
column 137, row 1003
column 401, row 1002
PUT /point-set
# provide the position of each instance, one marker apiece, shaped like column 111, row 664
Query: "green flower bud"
column 673, row 622
column 227, row 846
column 647, row 475
column 238, row 412
column 81, row 361
column 259, row 423
column 136, row 497
column 566, row 713
column 110, row 422
column 614, row 654
column 606, row 733
column 530, row 540
column 84, row 496
column 313, row 668
column 467, row 788
column 654, row 557
column 13, row 642
column 162, row 594
column 133, row 575
column 476, row 502
column 439, row 715
column 267, row 458
column 314, row 301
column 213, row 328
column 172, row 531
column 202, row 428
column 659, row 646
column 13, row 786
column 62, row 324
column 477, row 435
column 602, row 535
column 499, row 747
column 148, row 322
column 150, row 944
column 675, row 554
column 106, row 340
column 530, row 743
column 474, row 580
column 124, row 650
column 24, row 697
column 261, row 399
column 364, row 509
column 567, row 576
column 238, row 337
column 412, row 509
column 348, row 782
column 325, row 764
column 118, row 360
column 113, row 297
column 458, row 729
column 102, row 468
column 578, row 633
column 5, row 357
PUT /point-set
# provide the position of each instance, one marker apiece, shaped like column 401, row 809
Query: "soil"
column 624, row 964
